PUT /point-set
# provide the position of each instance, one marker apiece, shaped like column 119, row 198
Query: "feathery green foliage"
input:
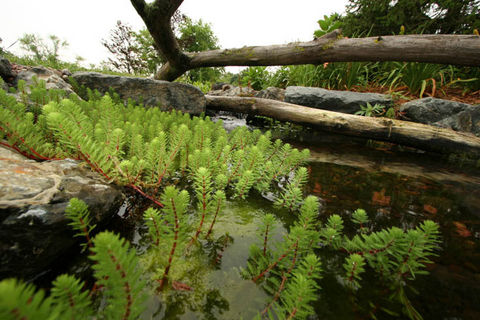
column 67, row 291
column 292, row 196
column 77, row 212
column 20, row 301
column 360, row 217
column 116, row 270
column 145, row 149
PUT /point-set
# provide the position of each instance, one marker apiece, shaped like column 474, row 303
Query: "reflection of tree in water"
column 214, row 304
column 215, row 249
column 345, row 188
column 175, row 305
column 209, row 303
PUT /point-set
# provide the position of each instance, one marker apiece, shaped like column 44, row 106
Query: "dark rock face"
column 271, row 93
column 33, row 196
column 338, row 101
column 6, row 71
column 444, row 113
column 155, row 93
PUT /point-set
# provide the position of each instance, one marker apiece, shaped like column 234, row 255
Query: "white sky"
column 236, row 23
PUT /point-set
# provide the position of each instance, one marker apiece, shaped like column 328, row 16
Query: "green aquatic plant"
column 175, row 232
column 77, row 212
column 151, row 151
column 144, row 149
column 360, row 217
column 292, row 196
column 116, row 272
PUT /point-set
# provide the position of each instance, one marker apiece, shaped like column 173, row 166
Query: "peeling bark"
column 406, row 133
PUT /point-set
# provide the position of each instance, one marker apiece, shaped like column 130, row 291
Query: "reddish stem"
column 174, row 247
column 204, row 209
column 215, row 217
column 145, row 195
column 126, row 286
column 85, row 231
column 274, row 264
column 277, row 295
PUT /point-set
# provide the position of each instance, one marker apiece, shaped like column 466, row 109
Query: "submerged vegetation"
column 188, row 168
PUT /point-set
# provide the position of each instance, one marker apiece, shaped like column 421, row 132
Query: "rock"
column 444, row 113
column 231, row 91
column 6, row 71
column 163, row 94
column 66, row 73
column 33, row 196
column 271, row 93
column 338, row 101
column 220, row 86
column 52, row 77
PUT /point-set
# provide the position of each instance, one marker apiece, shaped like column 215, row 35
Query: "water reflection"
column 399, row 188
column 396, row 188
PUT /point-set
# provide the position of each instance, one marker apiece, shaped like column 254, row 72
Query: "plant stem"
column 274, row 264
column 174, row 247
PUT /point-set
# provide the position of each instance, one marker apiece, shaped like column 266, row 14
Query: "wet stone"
column 34, row 231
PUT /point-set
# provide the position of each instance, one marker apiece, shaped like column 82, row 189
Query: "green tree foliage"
column 196, row 36
column 136, row 52
column 385, row 17
column 41, row 50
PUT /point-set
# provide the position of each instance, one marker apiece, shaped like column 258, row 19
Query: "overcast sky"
column 236, row 23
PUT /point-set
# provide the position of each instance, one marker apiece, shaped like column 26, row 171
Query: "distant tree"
column 125, row 49
column 137, row 53
column 40, row 50
column 197, row 36
column 148, row 51
column 384, row 17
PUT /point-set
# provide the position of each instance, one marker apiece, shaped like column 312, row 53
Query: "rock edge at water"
column 34, row 232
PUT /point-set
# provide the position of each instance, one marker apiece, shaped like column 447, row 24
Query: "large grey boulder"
column 154, row 93
column 444, row 113
column 6, row 71
column 338, row 101
column 53, row 78
column 33, row 196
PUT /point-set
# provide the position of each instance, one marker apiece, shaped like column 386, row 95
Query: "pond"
column 396, row 186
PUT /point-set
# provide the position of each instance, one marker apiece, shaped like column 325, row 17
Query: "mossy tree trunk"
column 406, row 133
column 333, row 47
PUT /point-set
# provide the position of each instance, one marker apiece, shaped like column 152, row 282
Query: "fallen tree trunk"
column 437, row 48
column 332, row 47
column 406, row 133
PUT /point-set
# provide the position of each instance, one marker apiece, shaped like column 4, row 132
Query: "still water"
column 396, row 186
